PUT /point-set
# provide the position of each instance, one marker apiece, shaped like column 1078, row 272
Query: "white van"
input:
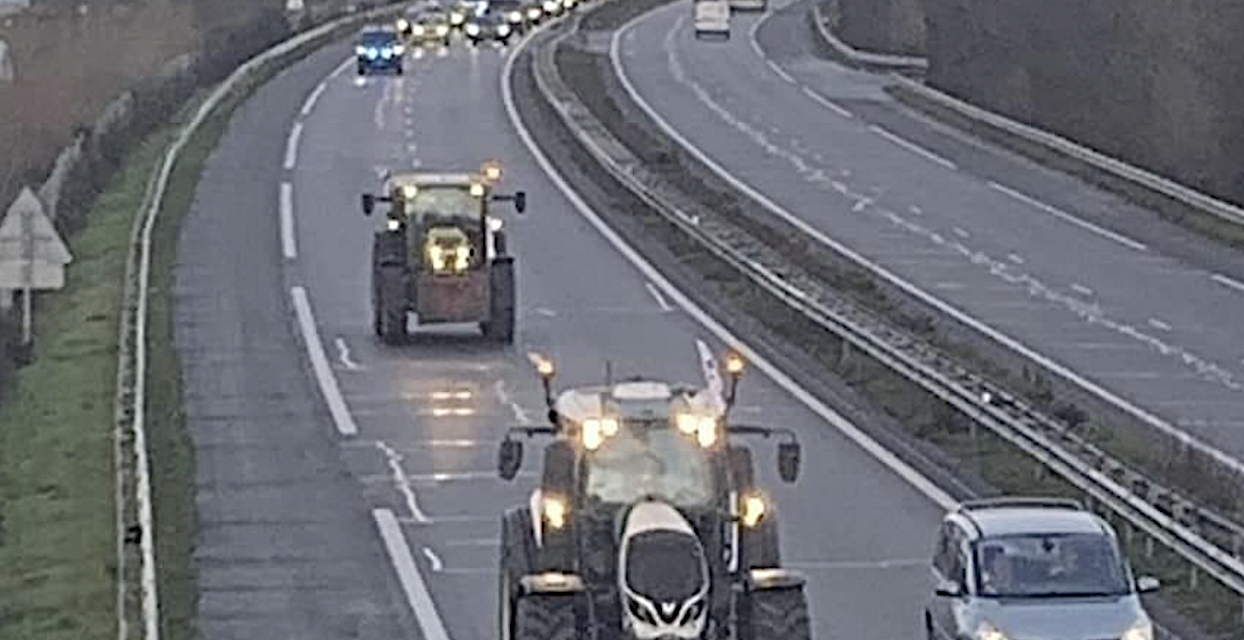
column 712, row 19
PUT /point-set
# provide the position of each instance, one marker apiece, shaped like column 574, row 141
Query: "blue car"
column 379, row 50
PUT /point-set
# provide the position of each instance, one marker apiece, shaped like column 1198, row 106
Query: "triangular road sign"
column 18, row 226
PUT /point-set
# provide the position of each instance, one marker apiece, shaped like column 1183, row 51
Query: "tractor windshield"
column 445, row 205
column 656, row 462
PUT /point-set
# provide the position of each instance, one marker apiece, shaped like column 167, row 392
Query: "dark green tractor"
column 441, row 256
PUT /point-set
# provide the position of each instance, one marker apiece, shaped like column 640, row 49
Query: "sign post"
column 32, row 254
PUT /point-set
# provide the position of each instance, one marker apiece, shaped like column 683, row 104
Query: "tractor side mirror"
column 788, row 461
column 520, row 202
column 369, row 204
column 509, row 458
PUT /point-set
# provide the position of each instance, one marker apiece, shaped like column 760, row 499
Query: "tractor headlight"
column 534, row 13
column 360, row 50
column 1142, row 630
column 457, row 18
column 403, row 24
column 418, row 30
column 595, row 430
column 704, row 428
column 394, row 225
column 753, row 510
column 477, row 189
column 989, row 632
column 515, row 16
column 551, row 6
column 503, row 30
column 554, row 511
column 409, row 191
column 495, row 224
column 472, row 29
column 398, row 49
column 442, row 30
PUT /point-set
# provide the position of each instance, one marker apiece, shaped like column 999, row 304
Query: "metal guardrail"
column 1209, row 541
column 132, row 342
column 859, row 57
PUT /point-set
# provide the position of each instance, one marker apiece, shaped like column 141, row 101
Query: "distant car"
column 463, row 12
column 712, row 19
column 431, row 28
column 511, row 11
column 533, row 11
column 1033, row 568
column 379, row 50
column 489, row 27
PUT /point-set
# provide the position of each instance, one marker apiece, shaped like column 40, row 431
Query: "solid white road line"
column 319, row 364
column 656, row 294
column 1228, row 282
column 289, row 246
column 345, row 64
column 827, row 103
column 408, row 574
column 1058, row 368
column 1081, row 289
column 291, row 146
column 863, row 440
column 313, row 98
column 912, row 147
column 1015, row 258
column 1067, row 217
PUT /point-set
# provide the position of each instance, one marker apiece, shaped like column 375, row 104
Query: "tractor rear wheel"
column 500, row 324
column 545, row 617
column 778, row 614
column 389, row 304
column 517, row 560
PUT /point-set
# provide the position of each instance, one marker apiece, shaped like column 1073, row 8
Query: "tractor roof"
column 428, row 179
column 636, row 400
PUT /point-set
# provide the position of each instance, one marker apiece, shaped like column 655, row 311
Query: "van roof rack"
column 1020, row 502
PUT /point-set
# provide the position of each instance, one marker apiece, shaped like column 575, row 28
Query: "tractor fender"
column 771, row 579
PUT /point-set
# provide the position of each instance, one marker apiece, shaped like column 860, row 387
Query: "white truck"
column 712, row 19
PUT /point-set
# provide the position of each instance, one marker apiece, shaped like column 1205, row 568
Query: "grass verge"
column 58, row 556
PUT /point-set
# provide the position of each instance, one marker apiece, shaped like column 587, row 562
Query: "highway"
column 1076, row 278
column 347, row 489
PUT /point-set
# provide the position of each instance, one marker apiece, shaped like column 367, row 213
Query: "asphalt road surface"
column 1133, row 305
column 348, row 488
